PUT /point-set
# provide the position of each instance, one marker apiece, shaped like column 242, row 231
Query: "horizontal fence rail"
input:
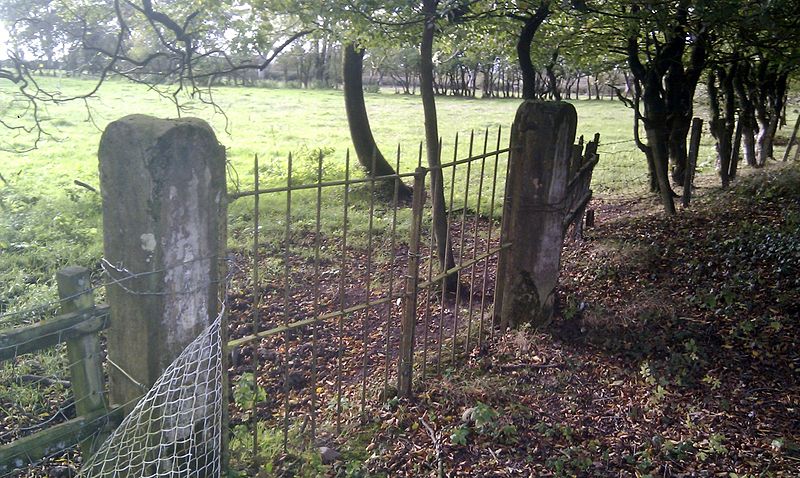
column 77, row 328
column 23, row 340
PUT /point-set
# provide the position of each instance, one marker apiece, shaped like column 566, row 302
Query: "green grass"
column 46, row 221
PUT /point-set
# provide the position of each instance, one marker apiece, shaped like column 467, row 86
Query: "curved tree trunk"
column 444, row 248
column 524, row 50
column 648, row 151
column 369, row 156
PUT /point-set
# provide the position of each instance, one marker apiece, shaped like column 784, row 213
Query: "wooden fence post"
column 735, row 148
column 792, row 140
column 541, row 148
column 584, row 182
column 589, row 218
column 164, row 225
column 408, row 324
column 83, row 353
column 694, row 149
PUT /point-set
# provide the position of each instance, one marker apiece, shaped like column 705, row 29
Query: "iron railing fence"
column 357, row 299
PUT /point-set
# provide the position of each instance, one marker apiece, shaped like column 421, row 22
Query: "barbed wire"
column 120, row 282
column 612, row 153
column 603, row 143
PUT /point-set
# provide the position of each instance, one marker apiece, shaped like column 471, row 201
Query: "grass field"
column 47, row 221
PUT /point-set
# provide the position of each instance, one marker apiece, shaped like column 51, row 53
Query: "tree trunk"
column 357, row 119
column 768, row 140
column 649, row 81
column 765, row 110
column 551, row 76
column 749, row 143
column 677, row 147
column 737, row 141
column 775, row 95
column 721, row 124
column 747, row 115
column 524, row 50
column 658, row 138
column 648, row 152
column 627, row 83
column 444, row 248
column 679, row 102
column 680, row 85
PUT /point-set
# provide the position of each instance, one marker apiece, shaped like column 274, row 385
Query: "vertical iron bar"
column 430, row 269
column 342, row 304
column 461, row 249
column 431, row 259
column 317, row 241
column 475, row 243
column 390, row 308
column 256, row 304
column 368, row 309
column 405, row 368
column 286, row 299
column 489, row 237
column 792, row 140
column 501, row 238
column 694, row 147
column 447, row 247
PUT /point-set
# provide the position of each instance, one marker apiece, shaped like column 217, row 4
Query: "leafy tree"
column 655, row 47
column 753, row 55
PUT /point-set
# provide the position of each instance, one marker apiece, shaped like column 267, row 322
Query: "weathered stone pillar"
column 164, row 220
column 541, row 147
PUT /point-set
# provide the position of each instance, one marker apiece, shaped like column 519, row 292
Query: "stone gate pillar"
column 542, row 140
column 164, row 232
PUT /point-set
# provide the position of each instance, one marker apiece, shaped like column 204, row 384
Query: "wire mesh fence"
column 54, row 413
column 176, row 428
column 354, row 296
